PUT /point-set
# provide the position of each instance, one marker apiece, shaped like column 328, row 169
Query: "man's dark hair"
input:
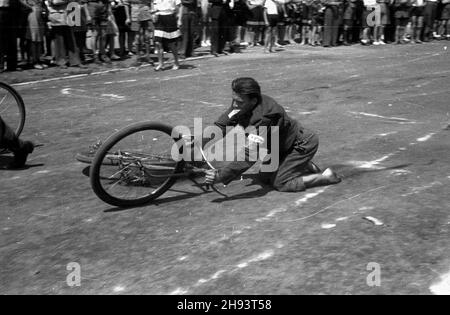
column 247, row 86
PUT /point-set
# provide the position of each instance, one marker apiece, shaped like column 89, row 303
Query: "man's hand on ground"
column 211, row 177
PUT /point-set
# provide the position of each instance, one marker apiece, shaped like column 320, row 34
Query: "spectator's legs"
column 233, row 38
column 304, row 35
column 11, row 43
column 335, row 28
column 173, row 45
column 147, row 38
column 48, row 42
column 80, row 40
column 122, row 38
column 206, row 33
column 3, row 37
column 131, row 36
column 71, row 47
column 348, row 29
column 223, row 33
column 313, row 36
column 241, row 34
column 366, row 36
column 328, row 27
column 378, row 33
column 91, row 39
column 59, row 49
column 36, row 54
column 140, row 41
column 110, row 40
column 268, row 43
column 101, row 42
column 441, row 30
column 160, row 49
column 429, row 19
column 417, row 24
column 184, row 29
column 281, row 28
column 448, row 30
column 215, row 36
column 289, row 33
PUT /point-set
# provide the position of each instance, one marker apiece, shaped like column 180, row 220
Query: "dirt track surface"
column 382, row 114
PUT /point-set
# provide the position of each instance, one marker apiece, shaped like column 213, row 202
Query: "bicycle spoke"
column 3, row 99
column 137, row 165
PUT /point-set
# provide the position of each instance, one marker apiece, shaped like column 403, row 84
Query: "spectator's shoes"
column 365, row 42
column 21, row 155
column 104, row 58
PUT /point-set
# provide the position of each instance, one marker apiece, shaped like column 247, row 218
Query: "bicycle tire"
column 95, row 176
column 21, row 107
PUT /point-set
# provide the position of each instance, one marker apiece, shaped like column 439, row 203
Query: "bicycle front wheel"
column 12, row 108
column 135, row 165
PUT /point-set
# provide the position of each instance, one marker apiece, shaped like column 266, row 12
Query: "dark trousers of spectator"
column 122, row 40
column 188, row 30
column 65, row 46
column 48, row 42
column 218, row 29
column 331, row 26
column 8, row 38
column 80, row 40
column 430, row 16
column 35, row 51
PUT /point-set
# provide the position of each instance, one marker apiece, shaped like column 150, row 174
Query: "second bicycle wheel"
column 135, row 165
column 12, row 108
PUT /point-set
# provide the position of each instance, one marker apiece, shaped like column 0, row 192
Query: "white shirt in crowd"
column 166, row 7
column 271, row 7
column 370, row 3
column 256, row 2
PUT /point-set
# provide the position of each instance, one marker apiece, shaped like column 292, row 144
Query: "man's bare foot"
column 332, row 176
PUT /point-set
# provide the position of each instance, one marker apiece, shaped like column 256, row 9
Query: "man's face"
column 243, row 103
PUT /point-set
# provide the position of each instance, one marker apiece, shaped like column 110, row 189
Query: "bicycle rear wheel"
column 12, row 108
column 135, row 165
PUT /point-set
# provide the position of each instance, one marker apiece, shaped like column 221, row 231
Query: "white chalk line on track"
column 265, row 255
column 442, row 287
column 420, row 189
column 332, row 205
column 394, row 119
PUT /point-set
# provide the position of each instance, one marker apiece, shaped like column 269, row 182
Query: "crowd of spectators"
column 73, row 33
